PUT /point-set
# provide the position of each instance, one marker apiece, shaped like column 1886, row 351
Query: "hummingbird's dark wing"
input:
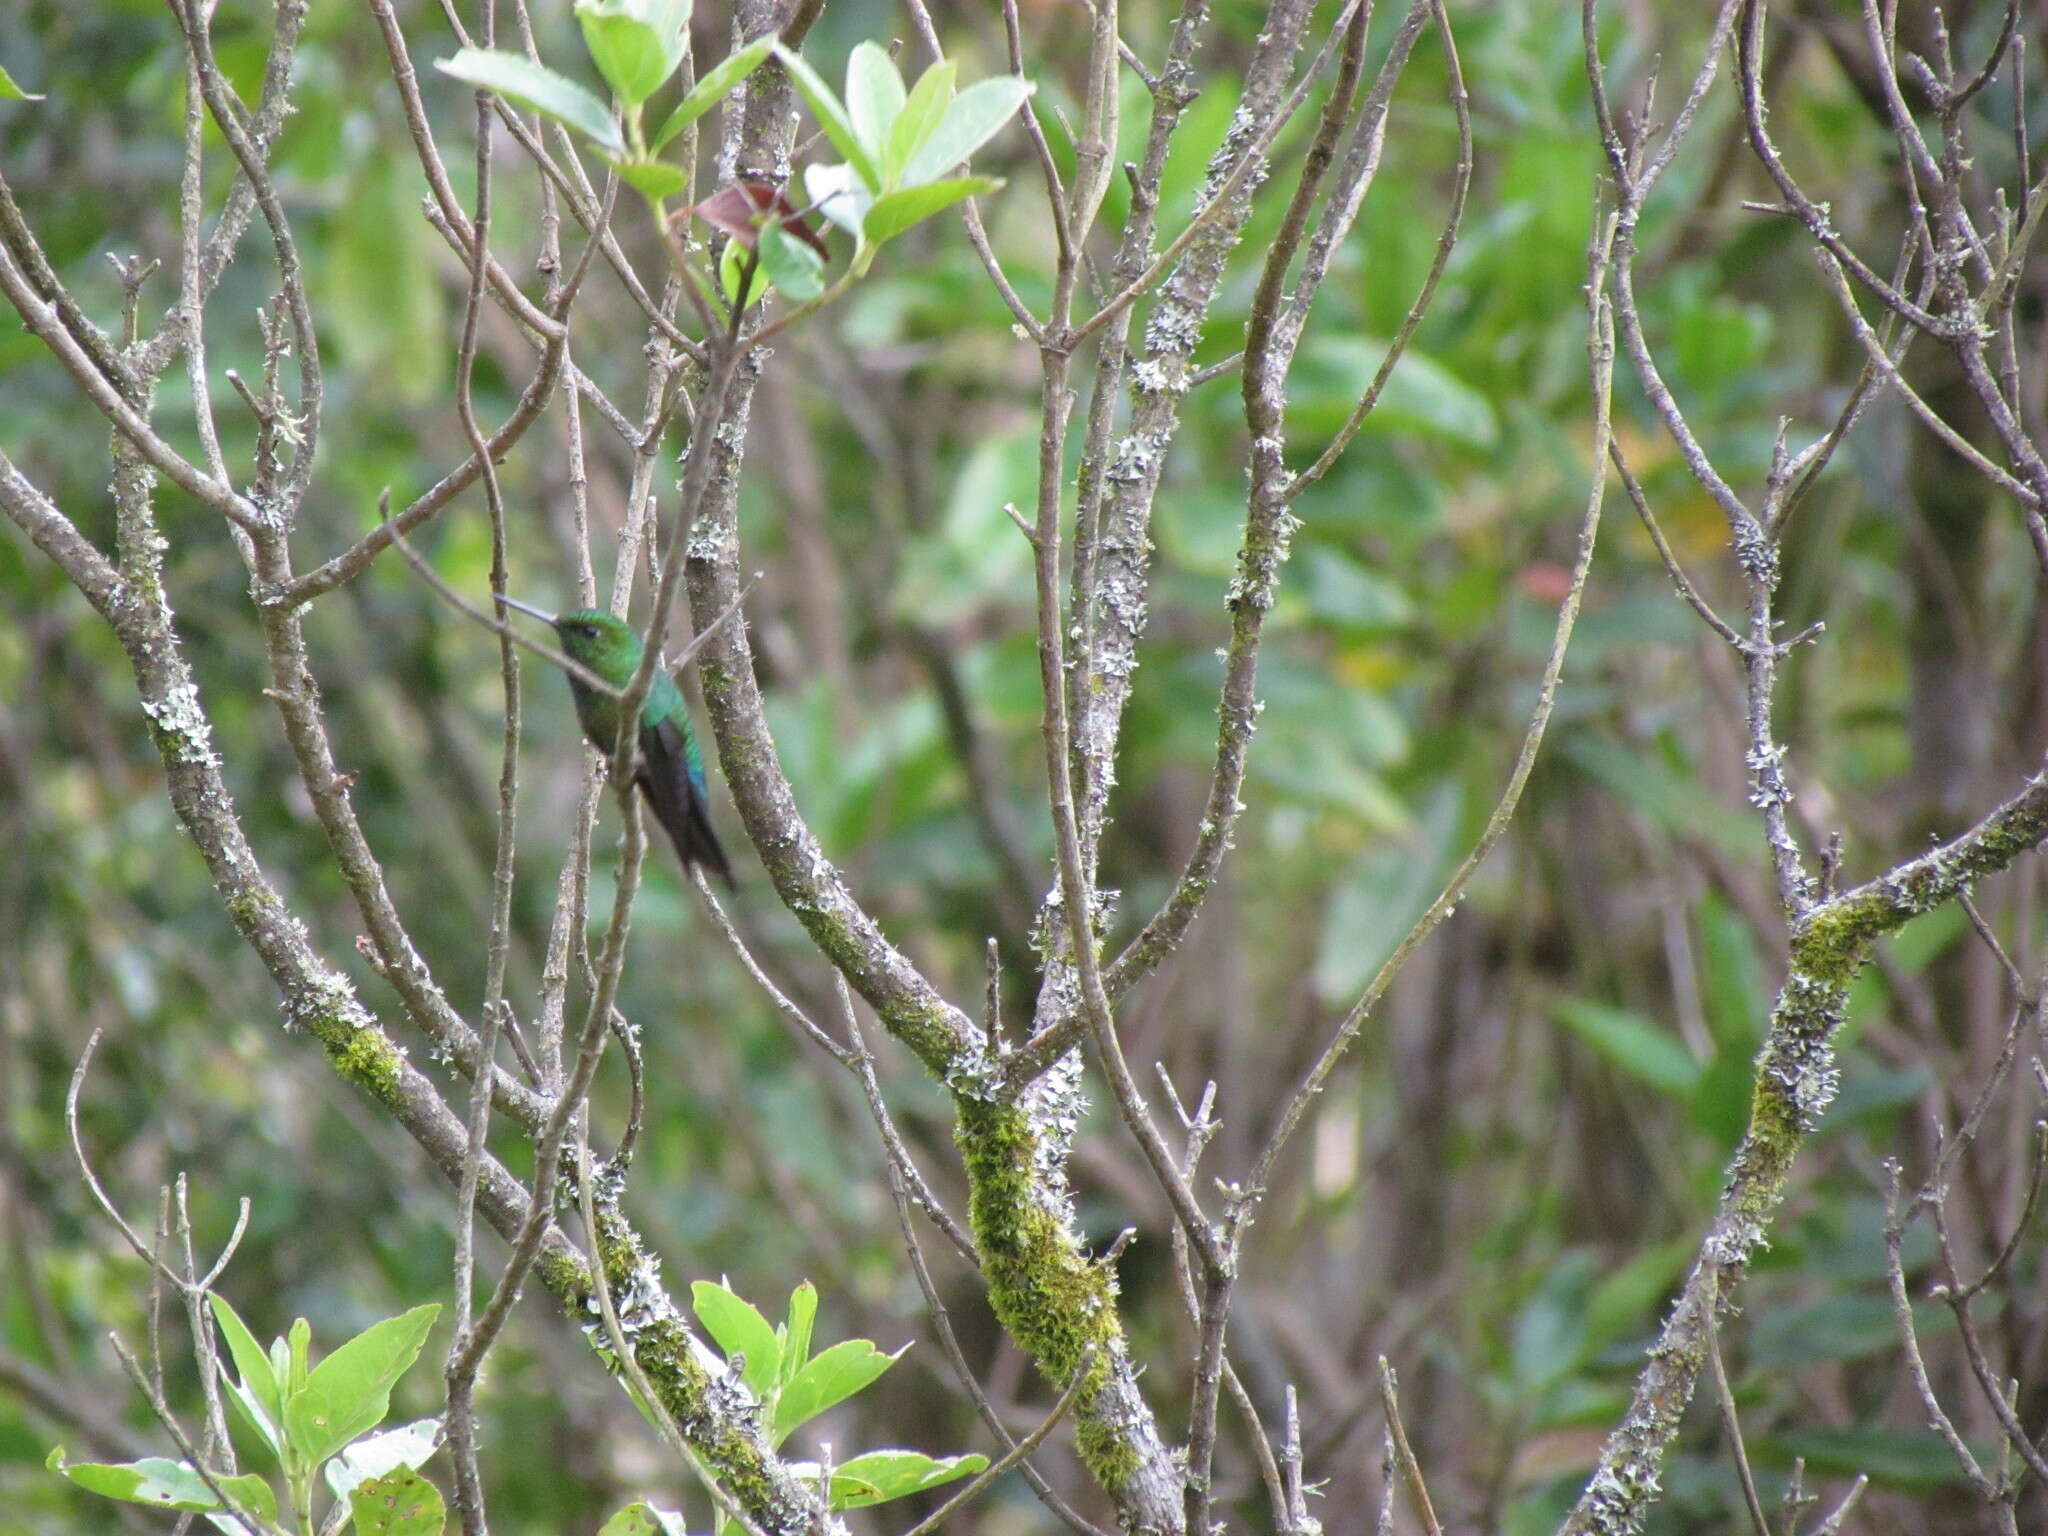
column 676, row 792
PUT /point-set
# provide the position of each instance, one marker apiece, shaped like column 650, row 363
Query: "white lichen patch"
column 1734, row 1243
column 1174, row 329
column 1766, row 765
column 974, row 1073
column 710, row 538
column 1151, row 376
column 328, row 995
column 181, row 724
column 1136, row 460
column 641, row 1303
column 1055, row 1104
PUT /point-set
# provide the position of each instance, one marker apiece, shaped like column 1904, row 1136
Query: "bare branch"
column 1446, row 242
column 1731, row 1420
column 1686, row 589
column 169, row 1420
column 1602, row 355
column 1015, row 1455
column 1418, row 1490
column 42, row 319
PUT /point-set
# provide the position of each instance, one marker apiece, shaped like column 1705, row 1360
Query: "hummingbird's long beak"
column 527, row 608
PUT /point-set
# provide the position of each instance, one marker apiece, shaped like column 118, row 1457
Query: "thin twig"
column 1732, row 1421
column 1015, row 1454
column 784, row 1005
column 1446, row 242
column 1418, row 1490
column 466, row 1353
column 476, row 615
column 1601, row 349
column 1252, row 157
column 901, row 1164
column 1686, row 589
column 193, row 1459
column 901, row 1194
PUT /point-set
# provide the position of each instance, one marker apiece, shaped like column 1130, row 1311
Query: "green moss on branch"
column 1052, row 1298
column 719, row 1417
column 1796, row 1078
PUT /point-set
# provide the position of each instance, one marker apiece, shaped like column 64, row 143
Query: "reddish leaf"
column 742, row 207
column 1544, row 581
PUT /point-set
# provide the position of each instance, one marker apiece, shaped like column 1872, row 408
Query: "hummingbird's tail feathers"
column 697, row 844
column 678, row 800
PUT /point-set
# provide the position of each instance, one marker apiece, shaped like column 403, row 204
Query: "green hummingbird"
column 671, row 768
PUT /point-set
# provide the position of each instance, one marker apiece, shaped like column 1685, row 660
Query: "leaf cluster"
column 900, row 144
column 794, row 1386
column 316, row 1422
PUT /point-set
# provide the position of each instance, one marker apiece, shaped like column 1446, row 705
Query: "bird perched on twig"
column 671, row 768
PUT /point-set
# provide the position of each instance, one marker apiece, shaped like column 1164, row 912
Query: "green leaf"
column 874, row 96
column 1550, row 1336
column 830, row 114
column 1632, row 1043
column 1714, row 340
column 401, row 1503
column 253, row 1494
column 962, row 561
column 1576, row 1401
column 350, row 1391
column 636, row 44
column 1720, row 1101
column 1923, row 941
column 919, row 119
column 841, row 196
column 165, row 1484
column 259, row 1381
column 701, row 281
column 972, row 119
column 1342, row 590
column 1627, row 1299
column 1876, row 1093
column 642, row 1519
column 832, row 1377
column 717, row 84
column 733, row 278
column 378, row 281
column 796, row 1335
column 1422, row 397
column 518, row 79
column 255, row 1417
column 410, row 1445
column 894, row 212
column 791, row 265
column 848, row 1490
column 298, row 1354
column 1329, row 740
column 738, row 1329
column 1731, row 974
column 1386, row 889
column 652, row 178
column 897, row 1474
column 1646, row 782
column 1913, row 1459
column 9, row 91
column 153, row 1480
column 1849, row 1325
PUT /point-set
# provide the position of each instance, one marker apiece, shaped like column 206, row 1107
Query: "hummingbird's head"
column 601, row 641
